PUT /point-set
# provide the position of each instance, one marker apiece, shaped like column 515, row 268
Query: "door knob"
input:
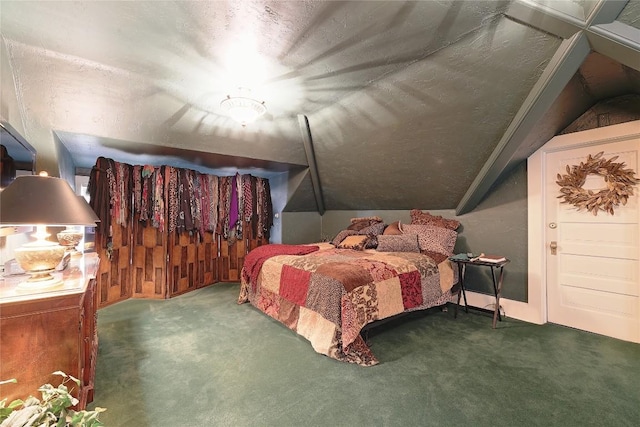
column 554, row 247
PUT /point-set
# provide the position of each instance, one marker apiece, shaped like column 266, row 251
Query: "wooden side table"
column 496, row 267
column 50, row 330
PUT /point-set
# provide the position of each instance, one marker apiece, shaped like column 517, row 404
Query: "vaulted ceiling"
column 371, row 104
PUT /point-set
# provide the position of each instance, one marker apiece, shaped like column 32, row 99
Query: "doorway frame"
column 535, row 310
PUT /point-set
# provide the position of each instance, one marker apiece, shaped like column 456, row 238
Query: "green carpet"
column 202, row 360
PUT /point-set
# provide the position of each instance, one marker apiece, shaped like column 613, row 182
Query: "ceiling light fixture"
column 242, row 108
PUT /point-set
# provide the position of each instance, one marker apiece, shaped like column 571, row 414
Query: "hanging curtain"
column 264, row 208
column 213, row 204
column 100, row 194
column 174, row 198
column 233, row 209
column 223, row 211
column 157, row 206
column 194, row 202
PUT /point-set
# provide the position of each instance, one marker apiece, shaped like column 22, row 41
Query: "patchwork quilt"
column 328, row 295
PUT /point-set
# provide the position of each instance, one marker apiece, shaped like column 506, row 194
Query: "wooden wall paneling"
column 114, row 274
column 252, row 243
column 145, row 263
column 149, row 262
column 207, row 255
column 223, row 260
column 182, row 263
column 251, row 240
column 232, row 258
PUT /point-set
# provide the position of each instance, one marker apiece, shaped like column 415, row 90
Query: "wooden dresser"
column 52, row 330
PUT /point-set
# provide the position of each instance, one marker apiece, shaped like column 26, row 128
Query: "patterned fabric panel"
column 410, row 287
column 294, row 284
column 325, row 294
column 350, row 275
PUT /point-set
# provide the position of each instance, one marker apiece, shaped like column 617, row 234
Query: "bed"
column 328, row 292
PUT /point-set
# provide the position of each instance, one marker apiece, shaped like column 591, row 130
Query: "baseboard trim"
column 510, row 308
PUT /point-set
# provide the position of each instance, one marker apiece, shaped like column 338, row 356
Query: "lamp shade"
column 36, row 199
column 90, row 210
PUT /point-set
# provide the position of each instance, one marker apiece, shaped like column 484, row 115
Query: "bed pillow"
column 392, row 229
column 356, row 242
column 341, row 236
column 433, row 239
column 371, row 219
column 373, row 229
column 398, row 243
column 372, row 241
column 358, row 224
column 425, row 218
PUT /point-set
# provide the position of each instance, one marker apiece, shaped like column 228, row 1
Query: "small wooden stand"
column 497, row 282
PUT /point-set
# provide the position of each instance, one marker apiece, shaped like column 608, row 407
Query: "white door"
column 593, row 279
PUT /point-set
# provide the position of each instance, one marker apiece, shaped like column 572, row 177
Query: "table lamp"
column 41, row 201
column 72, row 235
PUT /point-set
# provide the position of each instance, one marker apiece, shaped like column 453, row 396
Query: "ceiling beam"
column 562, row 24
column 305, row 130
column 544, row 18
column 598, row 31
column 559, row 71
column 606, row 11
column 617, row 41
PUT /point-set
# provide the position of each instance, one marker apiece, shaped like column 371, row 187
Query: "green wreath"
column 620, row 183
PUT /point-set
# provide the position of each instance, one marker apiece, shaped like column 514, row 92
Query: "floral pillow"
column 432, row 239
column 425, row 218
column 356, row 242
column 398, row 243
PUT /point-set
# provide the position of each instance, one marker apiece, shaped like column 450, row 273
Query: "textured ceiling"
column 408, row 104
